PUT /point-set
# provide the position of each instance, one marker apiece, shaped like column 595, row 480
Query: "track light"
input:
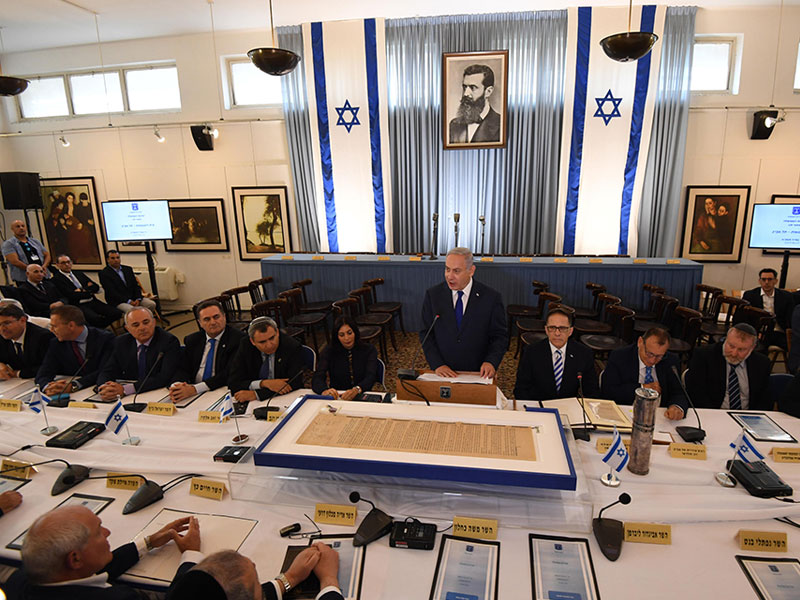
column 211, row 130
column 64, row 141
column 161, row 139
column 764, row 122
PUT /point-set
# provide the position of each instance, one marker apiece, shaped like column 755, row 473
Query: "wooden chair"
column 323, row 306
column 598, row 326
column 237, row 314
column 621, row 321
column 529, row 325
column 384, row 320
column 709, row 301
column 649, row 313
column 525, row 311
column 278, row 310
column 387, row 306
column 684, row 331
column 714, row 330
column 594, row 312
column 664, row 305
column 349, row 307
column 309, row 321
column 258, row 289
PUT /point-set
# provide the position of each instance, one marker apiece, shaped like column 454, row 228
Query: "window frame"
column 231, row 96
column 734, row 61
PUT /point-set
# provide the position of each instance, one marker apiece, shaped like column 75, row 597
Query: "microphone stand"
column 581, row 434
column 689, row 434
column 456, row 219
column 140, row 406
column 435, row 235
column 482, row 219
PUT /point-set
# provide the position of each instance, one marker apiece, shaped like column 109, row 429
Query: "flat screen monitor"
column 775, row 226
column 137, row 220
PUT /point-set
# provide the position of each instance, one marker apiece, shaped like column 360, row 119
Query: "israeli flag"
column 37, row 400
column 116, row 418
column 345, row 68
column 616, row 457
column 226, row 410
column 745, row 449
column 608, row 114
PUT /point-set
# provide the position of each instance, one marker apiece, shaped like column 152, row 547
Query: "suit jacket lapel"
column 473, row 302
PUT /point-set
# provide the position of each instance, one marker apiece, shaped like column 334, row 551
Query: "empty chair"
column 278, row 310
column 709, row 301
column 649, row 313
column 728, row 305
column 368, row 333
column 592, row 312
column 387, row 306
column 525, row 311
column 598, row 326
column 236, row 314
column 684, row 331
column 621, row 321
column 383, row 320
column 530, row 325
column 309, row 307
column 664, row 305
column 258, row 289
column 309, row 321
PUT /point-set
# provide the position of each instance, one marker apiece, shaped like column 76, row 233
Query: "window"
column 251, row 86
column 45, row 97
column 153, row 88
column 712, row 65
column 92, row 95
column 797, row 71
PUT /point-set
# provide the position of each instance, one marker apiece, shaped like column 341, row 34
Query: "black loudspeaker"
column 20, row 190
column 202, row 139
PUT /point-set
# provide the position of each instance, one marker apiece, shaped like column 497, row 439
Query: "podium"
column 452, row 393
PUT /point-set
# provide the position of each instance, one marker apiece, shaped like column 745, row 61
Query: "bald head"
column 19, row 229
column 35, row 273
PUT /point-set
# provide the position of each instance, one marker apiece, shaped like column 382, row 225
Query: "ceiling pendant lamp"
column 273, row 61
column 10, row 86
column 630, row 46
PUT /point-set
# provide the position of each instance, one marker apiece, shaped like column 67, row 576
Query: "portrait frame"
column 454, row 129
column 76, row 228
column 783, row 199
column 133, row 247
column 709, row 236
column 247, row 208
column 209, row 216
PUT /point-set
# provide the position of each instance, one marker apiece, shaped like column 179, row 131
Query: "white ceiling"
column 35, row 24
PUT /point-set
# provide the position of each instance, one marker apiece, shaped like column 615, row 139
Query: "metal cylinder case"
column 645, row 403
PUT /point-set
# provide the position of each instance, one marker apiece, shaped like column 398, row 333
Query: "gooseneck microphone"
column 140, row 406
column 581, row 434
column 610, row 532
column 689, row 434
column 375, row 525
column 262, row 411
column 456, row 219
column 61, row 400
column 435, row 235
column 412, row 373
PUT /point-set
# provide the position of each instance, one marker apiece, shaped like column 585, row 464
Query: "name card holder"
column 595, row 260
column 526, row 259
column 785, row 455
column 160, row 408
column 287, row 257
column 382, row 258
column 762, row 541
column 335, row 514
column 487, row 258
column 673, row 261
column 21, row 469
column 209, row 416
column 648, row 533
column 414, row 258
column 317, row 257
column 77, row 404
column 603, row 444
column 123, row 481
column 690, row 451
column 273, row 416
column 484, row 529
column 351, row 258
column 10, row 405
column 560, row 259
column 207, row 488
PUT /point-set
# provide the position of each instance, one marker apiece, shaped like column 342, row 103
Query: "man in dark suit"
column 23, row 345
column 269, row 364
column 225, row 574
column 549, row 369
column 120, row 285
column 793, row 360
column 208, row 353
column 470, row 334
column 477, row 121
column 645, row 364
column 775, row 301
column 79, row 291
column 66, row 556
column 729, row 374
column 76, row 347
column 38, row 294
column 134, row 355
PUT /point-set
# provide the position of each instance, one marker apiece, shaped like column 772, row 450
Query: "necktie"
column 459, row 309
column 265, row 372
column 18, row 349
column 76, row 350
column 41, row 288
column 209, row 369
column 648, row 375
column 142, row 361
column 558, row 369
column 75, row 281
column 734, row 395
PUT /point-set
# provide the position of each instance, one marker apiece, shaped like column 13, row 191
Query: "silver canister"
column 645, row 403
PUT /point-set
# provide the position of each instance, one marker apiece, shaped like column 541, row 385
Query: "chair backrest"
column 364, row 297
column 380, row 373
column 301, row 285
column 621, row 319
column 759, row 318
column 277, row 310
column 346, row 306
column 731, row 304
column 236, row 302
column 258, row 289
column 596, row 289
column 309, row 358
column 539, row 286
column 709, row 299
column 293, row 298
column 686, row 324
column 778, row 383
column 373, row 284
column 544, row 298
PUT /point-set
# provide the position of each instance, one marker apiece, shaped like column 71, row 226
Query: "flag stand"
column 48, row 429
column 239, row 438
column 723, row 477
column 130, row 440
column 610, row 479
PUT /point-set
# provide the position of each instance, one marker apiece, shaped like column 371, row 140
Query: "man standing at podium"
column 470, row 332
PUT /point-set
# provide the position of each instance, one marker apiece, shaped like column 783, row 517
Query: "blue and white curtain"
column 608, row 114
column 345, row 69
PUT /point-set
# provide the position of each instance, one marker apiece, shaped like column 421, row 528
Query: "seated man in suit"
column 145, row 349
column 77, row 349
column 38, row 294
column 208, row 353
column 789, row 401
column 228, row 575
column 120, row 285
column 470, row 333
column 66, row 555
column 549, row 369
column 23, row 345
column 79, row 291
column 729, row 374
column 268, row 365
column 793, row 360
column 645, row 364
column 775, row 301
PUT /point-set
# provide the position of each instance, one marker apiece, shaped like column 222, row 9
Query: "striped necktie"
column 734, row 394
column 558, row 369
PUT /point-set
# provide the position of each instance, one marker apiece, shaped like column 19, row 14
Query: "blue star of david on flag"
column 600, row 112
column 616, row 457
column 745, row 449
column 353, row 110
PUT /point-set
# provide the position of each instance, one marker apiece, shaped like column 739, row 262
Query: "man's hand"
column 302, row 565
column 445, row 371
column 10, row 500
column 331, row 392
column 350, row 394
column 653, row 386
column 245, row 396
column 276, row 385
column 110, row 390
column 58, row 387
column 487, row 370
column 6, row 372
column 190, row 540
column 163, row 535
column 327, row 569
column 180, row 391
column 674, row 413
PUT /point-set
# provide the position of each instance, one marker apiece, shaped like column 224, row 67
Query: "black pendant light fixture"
column 274, row 60
column 630, row 46
column 10, row 86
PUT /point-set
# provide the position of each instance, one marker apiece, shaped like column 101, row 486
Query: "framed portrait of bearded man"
column 474, row 99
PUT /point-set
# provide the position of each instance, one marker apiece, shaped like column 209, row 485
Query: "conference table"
column 407, row 277
column 704, row 517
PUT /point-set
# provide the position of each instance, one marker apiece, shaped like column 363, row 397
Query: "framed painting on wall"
column 198, row 225
column 133, row 247
column 262, row 221
column 70, row 221
column 474, row 99
column 714, row 223
column 783, row 199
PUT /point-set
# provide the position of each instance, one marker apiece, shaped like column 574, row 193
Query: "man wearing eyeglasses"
column 645, row 364
column 775, row 301
column 549, row 369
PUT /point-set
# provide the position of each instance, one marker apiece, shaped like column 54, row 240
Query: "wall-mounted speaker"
column 20, row 190
column 202, row 138
column 763, row 123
